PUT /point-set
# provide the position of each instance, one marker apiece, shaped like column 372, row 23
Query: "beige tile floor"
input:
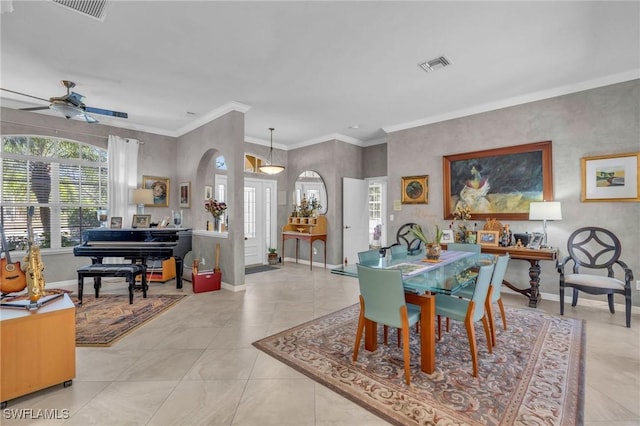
column 195, row 364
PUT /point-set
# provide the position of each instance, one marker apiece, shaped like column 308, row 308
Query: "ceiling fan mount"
column 70, row 105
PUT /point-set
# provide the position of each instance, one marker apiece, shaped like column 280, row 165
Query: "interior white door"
column 355, row 218
column 259, row 219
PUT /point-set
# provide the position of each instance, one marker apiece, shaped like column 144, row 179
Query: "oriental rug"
column 535, row 374
column 102, row 321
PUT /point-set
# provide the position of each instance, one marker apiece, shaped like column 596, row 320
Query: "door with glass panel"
column 259, row 219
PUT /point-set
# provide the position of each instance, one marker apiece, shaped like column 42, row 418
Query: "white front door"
column 355, row 218
column 259, row 219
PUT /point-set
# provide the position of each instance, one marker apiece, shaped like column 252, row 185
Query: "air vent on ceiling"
column 93, row 8
column 435, row 64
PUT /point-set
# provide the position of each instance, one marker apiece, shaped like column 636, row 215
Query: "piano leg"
column 179, row 270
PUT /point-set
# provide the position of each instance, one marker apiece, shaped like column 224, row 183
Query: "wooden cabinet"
column 38, row 347
column 306, row 229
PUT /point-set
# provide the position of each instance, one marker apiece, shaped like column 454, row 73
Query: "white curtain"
column 123, row 176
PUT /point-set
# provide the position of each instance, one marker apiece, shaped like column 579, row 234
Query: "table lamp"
column 140, row 197
column 545, row 210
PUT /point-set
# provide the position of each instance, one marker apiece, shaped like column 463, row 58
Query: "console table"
column 307, row 229
column 533, row 256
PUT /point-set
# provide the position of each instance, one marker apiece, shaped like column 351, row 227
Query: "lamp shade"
column 270, row 168
column 142, row 196
column 545, row 210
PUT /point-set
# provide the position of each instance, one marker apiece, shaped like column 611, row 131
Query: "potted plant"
column 431, row 242
column 273, row 256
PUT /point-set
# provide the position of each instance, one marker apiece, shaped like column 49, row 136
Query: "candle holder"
column 103, row 215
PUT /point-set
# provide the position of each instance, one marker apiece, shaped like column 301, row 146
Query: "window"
column 66, row 181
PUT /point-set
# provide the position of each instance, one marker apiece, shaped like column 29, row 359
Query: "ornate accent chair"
column 382, row 301
column 592, row 251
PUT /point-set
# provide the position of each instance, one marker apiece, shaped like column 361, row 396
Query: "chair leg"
column 574, row 301
column 439, row 328
column 359, row 331
column 487, row 332
column 80, row 288
column 492, row 322
column 627, row 303
column 448, row 324
column 612, row 309
column 405, row 337
column 471, row 334
column 385, row 333
column 504, row 318
column 561, row 299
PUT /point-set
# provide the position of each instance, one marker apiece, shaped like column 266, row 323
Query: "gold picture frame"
column 141, row 221
column 488, row 238
column 614, row 177
column 415, row 189
column 161, row 190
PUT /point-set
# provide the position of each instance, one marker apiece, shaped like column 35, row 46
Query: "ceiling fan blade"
column 89, row 119
column 106, row 112
column 34, row 108
column 24, row 94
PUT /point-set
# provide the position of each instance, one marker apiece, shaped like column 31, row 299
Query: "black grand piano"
column 138, row 245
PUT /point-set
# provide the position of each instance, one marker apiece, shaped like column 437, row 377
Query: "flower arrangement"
column 216, row 208
column 306, row 207
column 462, row 213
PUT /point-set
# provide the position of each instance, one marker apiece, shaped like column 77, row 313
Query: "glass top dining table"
column 453, row 271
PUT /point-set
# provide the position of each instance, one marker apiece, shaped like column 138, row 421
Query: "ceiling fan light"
column 66, row 109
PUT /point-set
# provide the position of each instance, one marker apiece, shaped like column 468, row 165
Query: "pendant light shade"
column 270, row 168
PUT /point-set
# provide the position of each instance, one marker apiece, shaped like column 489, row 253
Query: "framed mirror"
column 311, row 185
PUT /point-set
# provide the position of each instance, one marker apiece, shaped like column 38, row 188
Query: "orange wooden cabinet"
column 38, row 348
column 161, row 270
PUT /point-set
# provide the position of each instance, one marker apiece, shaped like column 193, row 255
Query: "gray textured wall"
column 601, row 121
column 374, row 160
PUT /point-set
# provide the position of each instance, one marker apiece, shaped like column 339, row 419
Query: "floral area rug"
column 102, row 321
column 534, row 376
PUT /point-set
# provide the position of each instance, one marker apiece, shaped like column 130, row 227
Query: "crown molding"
column 212, row 115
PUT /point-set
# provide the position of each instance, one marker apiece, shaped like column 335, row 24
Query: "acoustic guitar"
column 12, row 278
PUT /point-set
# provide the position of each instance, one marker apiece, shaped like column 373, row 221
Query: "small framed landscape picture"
column 447, row 236
column 116, row 222
column 611, row 177
column 488, row 238
column 185, row 194
column 141, row 221
column 535, row 241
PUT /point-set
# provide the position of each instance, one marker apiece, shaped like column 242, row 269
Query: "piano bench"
column 98, row 270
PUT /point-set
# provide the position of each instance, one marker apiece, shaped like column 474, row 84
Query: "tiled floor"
column 195, row 364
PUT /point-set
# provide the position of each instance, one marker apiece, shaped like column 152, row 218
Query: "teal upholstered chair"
column 469, row 311
column 369, row 257
column 399, row 252
column 382, row 301
column 496, row 286
column 473, row 248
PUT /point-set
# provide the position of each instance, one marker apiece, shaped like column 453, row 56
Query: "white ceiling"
column 313, row 69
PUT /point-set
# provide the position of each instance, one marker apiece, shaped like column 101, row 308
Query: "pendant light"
column 270, row 168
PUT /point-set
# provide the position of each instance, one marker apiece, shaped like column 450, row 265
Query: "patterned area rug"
column 102, row 321
column 534, row 376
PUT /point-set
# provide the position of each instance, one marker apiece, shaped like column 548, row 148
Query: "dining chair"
column 591, row 249
column 499, row 271
column 369, row 257
column 399, row 251
column 473, row 248
column 469, row 311
column 382, row 301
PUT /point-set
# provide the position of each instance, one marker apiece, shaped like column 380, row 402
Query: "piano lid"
column 139, row 235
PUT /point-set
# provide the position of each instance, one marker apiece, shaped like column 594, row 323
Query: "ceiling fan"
column 70, row 105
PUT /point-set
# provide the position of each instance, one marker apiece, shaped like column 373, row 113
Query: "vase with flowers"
column 463, row 214
column 217, row 209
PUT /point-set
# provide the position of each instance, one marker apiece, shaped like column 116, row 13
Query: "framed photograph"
column 116, row 222
column 185, row 194
column 141, row 221
column 611, row 177
column 447, row 236
column 415, row 190
column 498, row 183
column 208, row 192
column 488, row 238
column 160, row 187
column 535, row 241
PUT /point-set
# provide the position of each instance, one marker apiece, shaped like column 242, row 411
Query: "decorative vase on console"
column 217, row 209
column 432, row 243
column 462, row 213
